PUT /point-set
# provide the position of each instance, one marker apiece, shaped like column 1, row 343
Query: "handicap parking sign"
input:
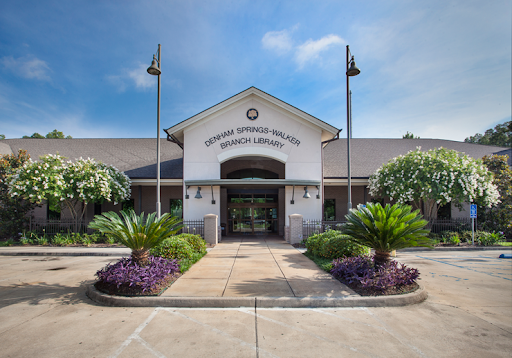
column 472, row 211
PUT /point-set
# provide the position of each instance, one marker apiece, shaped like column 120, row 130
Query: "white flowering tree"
column 434, row 178
column 69, row 183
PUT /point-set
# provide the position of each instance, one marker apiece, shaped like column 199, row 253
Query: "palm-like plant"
column 386, row 229
column 136, row 232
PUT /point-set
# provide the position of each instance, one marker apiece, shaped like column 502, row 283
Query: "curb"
column 453, row 248
column 417, row 296
column 49, row 253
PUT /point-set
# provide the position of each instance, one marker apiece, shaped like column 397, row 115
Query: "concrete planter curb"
column 417, row 296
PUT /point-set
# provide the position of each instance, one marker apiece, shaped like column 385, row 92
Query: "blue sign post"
column 472, row 215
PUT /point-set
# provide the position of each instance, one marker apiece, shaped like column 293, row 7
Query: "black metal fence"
column 312, row 227
column 457, row 224
column 62, row 226
column 195, row 227
column 52, row 227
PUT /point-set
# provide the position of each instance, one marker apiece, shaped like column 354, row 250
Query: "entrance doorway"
column 253, row 213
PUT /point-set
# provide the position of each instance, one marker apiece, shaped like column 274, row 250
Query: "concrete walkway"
column 244, row 271
column 261, row 266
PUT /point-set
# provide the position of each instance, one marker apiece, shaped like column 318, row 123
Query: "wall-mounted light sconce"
column 198, row 195
column 213, row 200
column 318, row 194
column 293, row 195
column 306, row 193
column 186, row 192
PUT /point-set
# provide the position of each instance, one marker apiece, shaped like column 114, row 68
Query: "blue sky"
column 438, row 69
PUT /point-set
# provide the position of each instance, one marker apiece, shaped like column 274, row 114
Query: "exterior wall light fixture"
column 213, row 200
column 306, row 193
column 186, row 192
column 198, row 195
column 318, row 194
column 293, row 196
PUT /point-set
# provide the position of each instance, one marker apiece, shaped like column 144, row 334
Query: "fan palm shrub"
column 385, row 229
column 137, row 232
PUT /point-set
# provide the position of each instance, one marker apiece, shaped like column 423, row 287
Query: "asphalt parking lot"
column 44, row 312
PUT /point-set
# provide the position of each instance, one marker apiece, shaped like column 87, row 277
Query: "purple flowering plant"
column 361, row 270
column 126, row 271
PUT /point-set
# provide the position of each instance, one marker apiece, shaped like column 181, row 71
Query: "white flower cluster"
column 439, row 174
column 83, row 180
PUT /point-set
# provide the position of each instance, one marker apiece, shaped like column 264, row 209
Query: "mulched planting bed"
column 136, row 290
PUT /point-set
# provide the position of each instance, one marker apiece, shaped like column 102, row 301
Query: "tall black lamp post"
column 156, row 70
column 352, row 70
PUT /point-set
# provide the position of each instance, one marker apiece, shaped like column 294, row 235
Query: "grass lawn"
column 505, row 243
column 323, row 263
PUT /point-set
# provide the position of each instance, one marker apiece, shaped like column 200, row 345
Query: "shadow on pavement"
column 35, row 293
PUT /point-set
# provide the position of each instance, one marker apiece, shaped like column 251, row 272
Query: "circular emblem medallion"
column 252, row 114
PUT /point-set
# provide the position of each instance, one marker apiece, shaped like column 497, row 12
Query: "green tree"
column 434, row 178
column 499, row 217
column 386, row 229
column 70, row 183
column 137, row 232
column 409, row 136
column 500, row 136
column 55, row 134
column 14, row 210
column 2, row 136
column 35, row 135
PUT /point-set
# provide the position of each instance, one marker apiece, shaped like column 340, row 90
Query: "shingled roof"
column 367, row 155
column 137, row 157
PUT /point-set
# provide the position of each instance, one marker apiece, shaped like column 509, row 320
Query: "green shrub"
column 41, row 241
column 454, row 240
column 109, row 240
column 25, row 241
column 60, row 240
column 338, row 246
column 195, row 241
column 490, row 238
column 315, row 242
column 173, row 248
column 8, row 242
column 332, row 245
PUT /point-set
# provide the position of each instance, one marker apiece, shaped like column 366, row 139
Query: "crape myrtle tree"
column 13, row 210
column 434, row 178
column 52, row 179
column 499, row 217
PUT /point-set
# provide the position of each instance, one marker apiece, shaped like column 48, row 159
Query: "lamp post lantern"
column 156, row 70
column 351, row 71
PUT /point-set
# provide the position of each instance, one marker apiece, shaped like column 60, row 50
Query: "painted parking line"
column 482, row 265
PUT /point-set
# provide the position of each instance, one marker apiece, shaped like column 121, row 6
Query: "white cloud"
column 278, row 41
column 28, row 67
column 310, row 50
column 141, row 77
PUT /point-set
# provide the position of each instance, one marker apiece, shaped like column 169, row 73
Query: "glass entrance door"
column 252, row 214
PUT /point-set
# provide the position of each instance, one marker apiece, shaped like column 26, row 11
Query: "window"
column 128, row 205
column 53, row 211
column 329, row 210
column 252, row 173
column 97, row 209
column 176, row 208
column 445, row 211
